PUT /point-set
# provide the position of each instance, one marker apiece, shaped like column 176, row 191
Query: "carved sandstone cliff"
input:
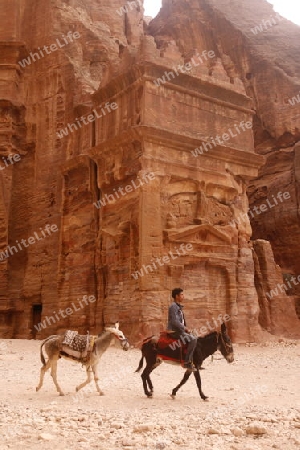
column 148, row 196
column 260, row 48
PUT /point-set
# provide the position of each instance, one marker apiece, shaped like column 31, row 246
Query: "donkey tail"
column 140, row 364
column 147, row 343
column 41, row 353
column 41, row 350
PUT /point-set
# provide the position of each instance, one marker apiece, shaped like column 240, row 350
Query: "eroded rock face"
column 276, row 300
column 136, row 145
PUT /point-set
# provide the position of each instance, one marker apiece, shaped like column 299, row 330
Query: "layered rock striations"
column 136, row 146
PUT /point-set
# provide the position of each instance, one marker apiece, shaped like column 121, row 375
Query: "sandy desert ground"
column 254, row 403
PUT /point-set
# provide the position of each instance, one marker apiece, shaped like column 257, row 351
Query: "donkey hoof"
column 173, row 397
column 205, row 398
column 61, row 394
column 101, row 393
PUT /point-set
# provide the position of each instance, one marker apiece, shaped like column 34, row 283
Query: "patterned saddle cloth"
column 170, row 347
column 77, row 345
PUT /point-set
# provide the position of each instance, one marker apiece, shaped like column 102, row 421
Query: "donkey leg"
column 182, row 382
column 54, row 375
column 147, row 381
column 198, row 381
column 96, row 379
column 42, row 374
column 87, row 381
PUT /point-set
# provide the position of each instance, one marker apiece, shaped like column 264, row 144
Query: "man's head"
column 177, row 295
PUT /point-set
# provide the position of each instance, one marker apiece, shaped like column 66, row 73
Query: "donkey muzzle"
column 125, row 345
column 230, row 358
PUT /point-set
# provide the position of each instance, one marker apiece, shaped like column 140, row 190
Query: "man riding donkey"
column 177, row 324
column 156, row 349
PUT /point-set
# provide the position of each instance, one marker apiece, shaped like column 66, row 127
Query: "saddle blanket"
column 69, row 337
column 170, row 347
column 77, row 345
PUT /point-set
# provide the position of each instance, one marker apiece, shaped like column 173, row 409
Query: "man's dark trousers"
column 192, row 342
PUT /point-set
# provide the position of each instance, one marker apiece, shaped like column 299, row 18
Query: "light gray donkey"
column 55, row 349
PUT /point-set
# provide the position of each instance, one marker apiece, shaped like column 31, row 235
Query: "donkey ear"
column 117, row 325
column 223, row 328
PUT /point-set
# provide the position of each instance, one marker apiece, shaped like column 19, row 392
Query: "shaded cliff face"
column 238, row 75
column 38, row 98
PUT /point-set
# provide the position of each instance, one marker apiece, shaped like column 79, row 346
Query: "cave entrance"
column 36, row 318
column 297, row 306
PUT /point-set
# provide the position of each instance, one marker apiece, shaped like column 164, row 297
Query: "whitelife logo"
column 294, row 100
column 86, row 120
column 257, row 210
column 51, row 320
column 255, row 393
column 48, row 49
column 10, row 160
column 267, row 24
column 131, row 5
column 204, row 330
column 166, row 259
column 31, row 240
column 283, row 287
column 111, row 198
column 214, row 142
column 185, row 67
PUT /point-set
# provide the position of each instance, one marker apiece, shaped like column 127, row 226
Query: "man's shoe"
column 189, row 366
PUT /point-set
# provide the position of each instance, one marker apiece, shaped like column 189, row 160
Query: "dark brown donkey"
column 154, row 354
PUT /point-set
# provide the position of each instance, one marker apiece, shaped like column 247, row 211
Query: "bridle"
column 123, row 341
column 220, row 340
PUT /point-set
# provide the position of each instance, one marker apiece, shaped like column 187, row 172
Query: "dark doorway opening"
column 297, row 306
column 36, row 318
